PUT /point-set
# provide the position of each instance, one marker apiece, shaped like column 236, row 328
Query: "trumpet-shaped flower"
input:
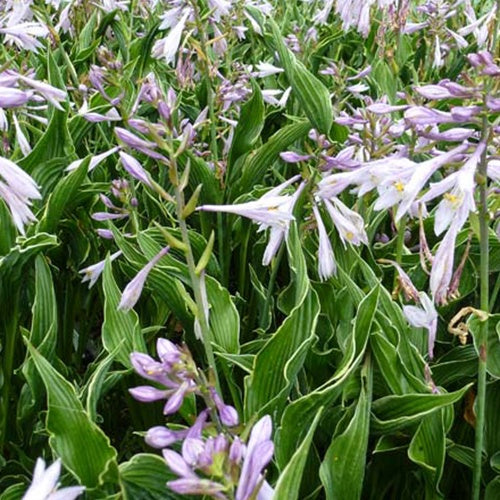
column 458, row 189
column 44, row 484
column 424, row 317
column 349, row 224
column 405, row 189
column 258, row 454
column 272, row 210
column 17, row 189
column 326, row 260
column 133, row 290
column 93, row 272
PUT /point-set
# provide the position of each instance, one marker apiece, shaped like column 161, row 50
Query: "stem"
column 195, row 277
column 8, row 364
column 270, row 286
column 484, row 306
column 399, row 246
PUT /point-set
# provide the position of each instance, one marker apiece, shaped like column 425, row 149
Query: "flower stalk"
column 195, row 276
column 484, row 290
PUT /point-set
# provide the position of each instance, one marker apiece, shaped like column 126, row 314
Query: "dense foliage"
column 249, row 249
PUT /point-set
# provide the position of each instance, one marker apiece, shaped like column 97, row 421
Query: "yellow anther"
column 452, row 198
column 399, row 186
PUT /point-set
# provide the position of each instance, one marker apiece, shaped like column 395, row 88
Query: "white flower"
column 24, row 145
column 349, row 224
column 93, row 272
column 167, row 47
column 326, row 260
column 458, row 202
column 266, row 69
column 272, row 210
column 44, row 484
column 25, row 35
column 424, row 317
column 94, row 161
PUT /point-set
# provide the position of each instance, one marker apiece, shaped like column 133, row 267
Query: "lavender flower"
column 134, row 168
column 12, row 97
column 17, row 189
column 133, row 290
column 44, row 484
column 258, row 454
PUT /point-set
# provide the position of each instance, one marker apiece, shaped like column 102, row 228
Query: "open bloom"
column 458, row 189
column 273, row 211
column 424, row 316
column 93, row 272
column 44, row 484
column 17, row 189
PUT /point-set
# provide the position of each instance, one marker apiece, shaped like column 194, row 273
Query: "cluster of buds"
column 121, row 191
column 214, row 461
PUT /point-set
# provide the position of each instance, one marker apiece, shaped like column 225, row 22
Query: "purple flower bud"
column 380, row 108
column 236, row 451
column 452, row 134
column 191, row 450
column 292, row 157
column 197, row 486
column 433, row 92
column 168, row 352
column 464, row 113
column 12, row 98
column 147, row 394
column 493, row 103
column 160, row 437
column 105, row 233
column 102, row 216
column 220, row 444
column 132, row 140
column 134, row 168
column 419, row 115
column 176, row 399
column 177, row 464
column 197, row 428
column 138, row 124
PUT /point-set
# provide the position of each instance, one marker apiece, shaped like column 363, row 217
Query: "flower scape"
column 249, row 249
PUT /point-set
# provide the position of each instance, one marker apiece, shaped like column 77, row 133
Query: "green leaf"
column 277, row 364
column 259, row 162
column 492, row 342
column 144, row 477
column 83, row 447
column 312, row 95
column 13, row 263
column 43, row 334
column 428, row 449
column 392, row 413
column 248, row 129
column 343, row 469
column 121, row 332
column 61, row 196
column 493, row 489
column 298, row 415
column 288, row 485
